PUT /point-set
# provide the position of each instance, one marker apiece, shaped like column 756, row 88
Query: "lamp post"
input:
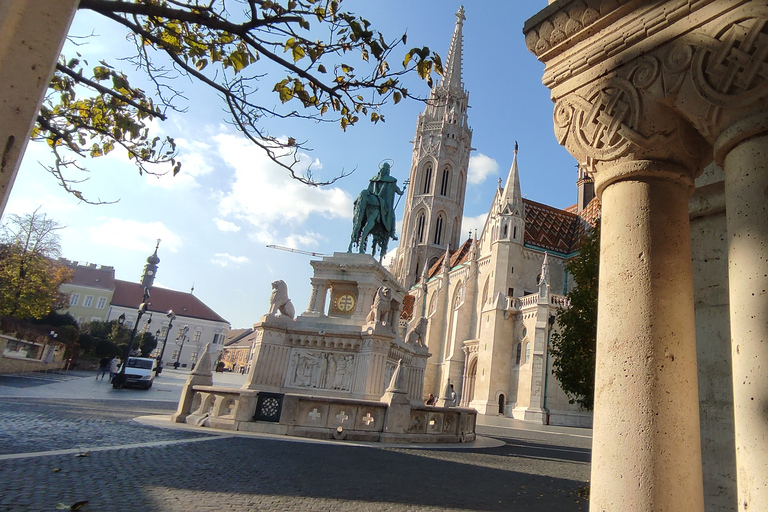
column 119, row 380
column 183, row 336
column 171, row 317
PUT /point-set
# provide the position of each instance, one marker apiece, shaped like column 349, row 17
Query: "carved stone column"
column 746, row 196
column 32, row 33
column 614, row 85
column 646, row 447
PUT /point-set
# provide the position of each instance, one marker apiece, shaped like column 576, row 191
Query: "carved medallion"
column 344, row 303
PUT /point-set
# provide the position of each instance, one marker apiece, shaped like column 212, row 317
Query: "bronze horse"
column 367, row 222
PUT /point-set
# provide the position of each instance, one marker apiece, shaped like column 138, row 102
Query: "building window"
column 73, row 299
column 510, row 292
column 193, row 357
column 438, row 230
column 420, row 221
column 427, row 186
column 95, row 319
column 197, row 336
column 101, row 303
column 445, row 183
column 175, row 355
column 88, row 301
column 519, row 350
column 514, row 233
column 527, row 352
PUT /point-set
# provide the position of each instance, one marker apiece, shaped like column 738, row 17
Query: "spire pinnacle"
column 452, row 76
column 512, row 194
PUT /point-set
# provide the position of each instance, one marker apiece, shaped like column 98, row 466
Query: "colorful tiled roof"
column 409, row 301
column 128, row 294
column 458, row 257
column 549, row 228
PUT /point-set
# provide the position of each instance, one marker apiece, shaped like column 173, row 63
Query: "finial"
column 460, row 14
column 515, row 146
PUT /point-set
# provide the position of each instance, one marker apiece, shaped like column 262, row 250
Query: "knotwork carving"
column 602, row 125
column 731, row 70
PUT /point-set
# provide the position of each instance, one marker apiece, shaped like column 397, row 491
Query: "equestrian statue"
column 375, row 213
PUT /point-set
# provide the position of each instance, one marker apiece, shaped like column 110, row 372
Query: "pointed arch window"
column 519, row 353
column 446, row 182
column 420, row 222
column 438, row 230
column 505, row 231
column 514, row 233
column 427, row 185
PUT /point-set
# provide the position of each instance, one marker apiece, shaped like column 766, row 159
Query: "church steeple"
column 512, row 195
column 150, row 269
column 452, row 77
column 435, row 202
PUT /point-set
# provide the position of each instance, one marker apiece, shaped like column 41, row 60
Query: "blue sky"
column 217, row 216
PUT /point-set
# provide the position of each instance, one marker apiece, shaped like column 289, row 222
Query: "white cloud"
column 263, row 194
column 134, row 235
column 474, row 223
column 480, row 167
column 227, row 260
column 225, row 225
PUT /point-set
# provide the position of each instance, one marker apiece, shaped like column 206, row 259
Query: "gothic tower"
column 435, row 200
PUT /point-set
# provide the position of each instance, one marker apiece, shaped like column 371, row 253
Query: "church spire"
column 512, row 194
column 452, row 77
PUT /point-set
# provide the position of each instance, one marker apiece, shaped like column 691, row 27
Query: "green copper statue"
column 375, row 213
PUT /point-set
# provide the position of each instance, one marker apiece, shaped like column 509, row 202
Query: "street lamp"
column 171, row 317
column 119, row 380
column 183, row 336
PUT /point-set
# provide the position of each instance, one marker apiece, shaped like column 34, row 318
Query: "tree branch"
column 106, row 90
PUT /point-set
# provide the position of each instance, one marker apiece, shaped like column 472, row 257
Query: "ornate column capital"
column 669, row 71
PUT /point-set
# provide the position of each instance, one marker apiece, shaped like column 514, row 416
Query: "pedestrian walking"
column 103, row 368
column 114, row 364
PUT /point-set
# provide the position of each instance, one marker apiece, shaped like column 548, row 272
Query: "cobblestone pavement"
column 135, row 467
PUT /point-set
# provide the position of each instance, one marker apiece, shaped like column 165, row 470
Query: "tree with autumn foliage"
column 574, row 343
column 320, row 62
column 30, row 276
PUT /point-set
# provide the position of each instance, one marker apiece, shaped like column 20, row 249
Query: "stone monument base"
column 322, row 417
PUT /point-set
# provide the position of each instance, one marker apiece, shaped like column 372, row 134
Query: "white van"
column 140, row 372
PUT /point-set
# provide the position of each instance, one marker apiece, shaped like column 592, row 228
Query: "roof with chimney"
column 90, row 274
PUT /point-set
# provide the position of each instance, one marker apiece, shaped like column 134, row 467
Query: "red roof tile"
column 458, row 257
column 549, row 228
column 91, row 275
column 128, row 294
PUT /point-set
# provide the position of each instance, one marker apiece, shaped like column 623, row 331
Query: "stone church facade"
column 491, row 300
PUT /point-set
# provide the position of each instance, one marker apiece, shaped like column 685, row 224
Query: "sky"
column 216, row 218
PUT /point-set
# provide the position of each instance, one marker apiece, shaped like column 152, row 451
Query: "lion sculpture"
column 381, row 306
column 417, row 334
column 279, row 300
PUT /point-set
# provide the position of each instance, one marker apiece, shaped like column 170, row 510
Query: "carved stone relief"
column 321, row 370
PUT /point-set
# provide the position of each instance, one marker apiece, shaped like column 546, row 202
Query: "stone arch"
column 469, row 390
